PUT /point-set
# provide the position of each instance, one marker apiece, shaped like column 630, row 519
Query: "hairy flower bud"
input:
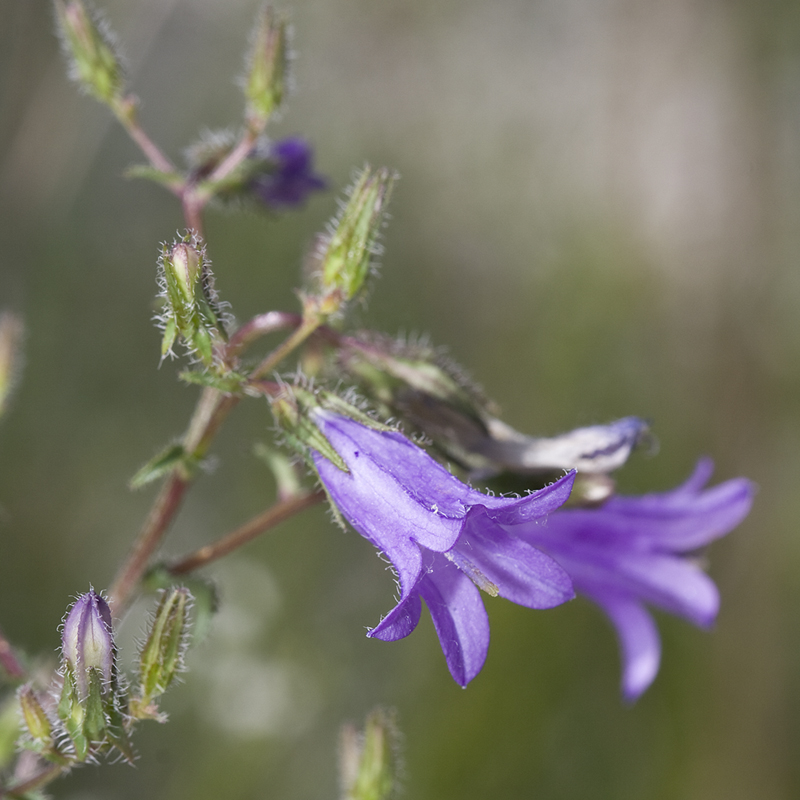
column 265, row 84
column 191, row 307
column 87, row 641
column 34, row 717
column 343, row 258
column 89, row 46
column 92, row 700
column 368, row 759
column 161, row 657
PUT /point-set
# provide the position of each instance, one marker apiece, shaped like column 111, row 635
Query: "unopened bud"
column 87, row 641
column 265, row 85
column 34, row 717
column 191, row 307
column 367, row 760
column 344, row 257
column 89, row 46
column 162, row 655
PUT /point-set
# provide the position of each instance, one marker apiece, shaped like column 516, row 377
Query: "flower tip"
column 87, row 639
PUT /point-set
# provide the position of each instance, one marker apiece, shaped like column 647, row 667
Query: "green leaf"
column 170, row 180
column 167, row 460
column 230, row 382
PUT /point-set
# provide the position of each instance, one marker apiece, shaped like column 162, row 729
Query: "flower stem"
column 42, row 778
column 307, row 327
column 246, row 533
column 261, row 325
column 126, row 114
column 9, row 660
column 211, row 410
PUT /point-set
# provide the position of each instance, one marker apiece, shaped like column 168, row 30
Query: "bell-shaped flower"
column 633, row 551
column 443, row 538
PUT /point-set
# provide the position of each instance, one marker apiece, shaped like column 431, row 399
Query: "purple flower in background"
column 633, row 550
column 443, row 538
column 291, row 177
column 87, row 640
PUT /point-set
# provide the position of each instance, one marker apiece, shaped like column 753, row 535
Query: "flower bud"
column 191, row 306
column 343, row 258
column 367, row 760
column 162, row 654
column 265, row 84
column 87, row 642
column 34, row 717
column 88, row 44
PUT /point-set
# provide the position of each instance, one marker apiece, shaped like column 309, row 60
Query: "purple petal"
column 669, row 581
column 292, row 178
column 521, row 573
column 459, row 617
column 683, row 520
column 400, row 621
column 638, row 638
column 508, row 511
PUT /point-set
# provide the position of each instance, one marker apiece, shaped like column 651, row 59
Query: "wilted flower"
column 87, row 641
column 290, row 178
column 633, row 551
column 443, row 538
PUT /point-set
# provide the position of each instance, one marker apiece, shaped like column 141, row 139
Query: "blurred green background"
column 598, row 214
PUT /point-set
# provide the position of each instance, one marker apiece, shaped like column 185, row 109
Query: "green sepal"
column 338, row 405
column 229, row 382
column 71, row 713
column 34, row 717
column 169, row 337
column 300, row 431
column 94, row 720
column 9, row 730
column 173, row 457
column 171, row 180
column 117, row 733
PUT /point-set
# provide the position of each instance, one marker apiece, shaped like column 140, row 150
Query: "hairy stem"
column 126, row 114
column 246, row 533
column 42, row 778
column 307, row 327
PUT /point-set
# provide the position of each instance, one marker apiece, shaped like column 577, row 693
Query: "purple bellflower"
column 291, row 177
column 633, row 551
column 87, row 640
column 444, row 539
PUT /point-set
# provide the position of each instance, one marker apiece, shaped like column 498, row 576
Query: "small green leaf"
column 170, row 180
column 230, row 382
column 166, row 461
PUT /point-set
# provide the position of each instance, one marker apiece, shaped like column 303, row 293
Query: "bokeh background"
column 598, row 214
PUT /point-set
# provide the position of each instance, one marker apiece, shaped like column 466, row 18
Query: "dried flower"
column 289, row 177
